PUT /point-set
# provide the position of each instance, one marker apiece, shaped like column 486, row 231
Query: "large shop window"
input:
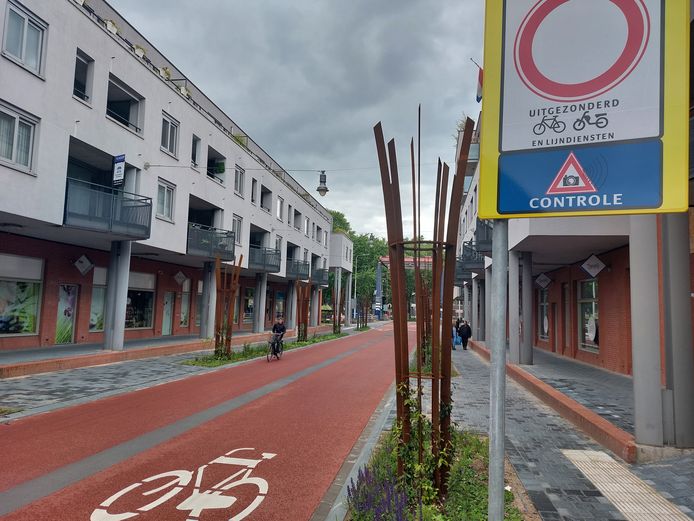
column 20, row 294
column 139, row 310
column 588, row 324
column 542, row 315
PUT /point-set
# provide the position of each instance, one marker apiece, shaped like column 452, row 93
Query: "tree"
column 340, row 223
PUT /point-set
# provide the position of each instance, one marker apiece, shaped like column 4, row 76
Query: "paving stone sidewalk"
column 608, row 394
column 535, row 436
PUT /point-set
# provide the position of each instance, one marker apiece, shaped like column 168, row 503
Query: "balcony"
column 99, row 208
column 264, row 259
column 297, row 269
column 471, row 259
column 461, row 274
column 206, row 241
column 483, row 236
column 320, row 277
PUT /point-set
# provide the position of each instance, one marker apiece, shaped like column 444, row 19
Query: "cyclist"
column 278, row 330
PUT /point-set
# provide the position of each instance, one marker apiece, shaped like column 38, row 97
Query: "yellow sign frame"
column 675, row 138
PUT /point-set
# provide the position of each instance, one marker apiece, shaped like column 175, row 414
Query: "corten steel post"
column 233, row 290
column 390, row 184
column 438, row 329
column 448, row 283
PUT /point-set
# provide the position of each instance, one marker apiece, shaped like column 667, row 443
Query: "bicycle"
column 549, row 123
column 275, row 347
column 197, row 501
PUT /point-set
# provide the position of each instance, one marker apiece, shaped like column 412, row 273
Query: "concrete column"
column 513, row 308
column 314, row 312
column 117, row 295
column 645, row 329
column 259, row 302
column 290, row 306
column 348, row 301
column 679, row 357
column 488, row 305
column 526, row 350
column 483, row 310
column 209, row 301
column 475, row 309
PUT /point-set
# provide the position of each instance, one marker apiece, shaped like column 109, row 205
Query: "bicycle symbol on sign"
column 549, row 123
column 216, row 497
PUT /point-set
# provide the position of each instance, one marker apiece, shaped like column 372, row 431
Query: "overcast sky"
column 308, row 79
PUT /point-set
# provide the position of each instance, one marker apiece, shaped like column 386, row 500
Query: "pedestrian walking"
column 456, row 340
column 464, row 332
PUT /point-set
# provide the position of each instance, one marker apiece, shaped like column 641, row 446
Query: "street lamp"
column 322, row 187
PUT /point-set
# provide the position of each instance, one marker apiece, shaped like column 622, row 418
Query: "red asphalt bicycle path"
column 37, row 445
column 305, row 423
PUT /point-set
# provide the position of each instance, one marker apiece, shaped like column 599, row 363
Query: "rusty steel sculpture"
column 434, row 297
column 227, row 279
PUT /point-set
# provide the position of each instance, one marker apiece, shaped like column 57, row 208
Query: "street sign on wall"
column 585, row 108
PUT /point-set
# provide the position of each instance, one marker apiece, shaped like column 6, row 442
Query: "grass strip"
column 254, row 351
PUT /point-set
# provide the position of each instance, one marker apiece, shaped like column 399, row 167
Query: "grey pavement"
column 535, row 437
column 608, row 394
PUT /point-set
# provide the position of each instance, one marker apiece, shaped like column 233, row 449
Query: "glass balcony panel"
column 104, row 209
column 264, row 259
column 206, row 241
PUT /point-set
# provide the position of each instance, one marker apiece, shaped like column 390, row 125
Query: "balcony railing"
column 264, row 259
column 206, row 241
column 297, row 269
column 101, row 208
column 483, row 236
column 471, row 259
column 320, row 277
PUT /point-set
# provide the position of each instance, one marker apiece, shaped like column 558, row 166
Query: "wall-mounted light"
column 322, row 187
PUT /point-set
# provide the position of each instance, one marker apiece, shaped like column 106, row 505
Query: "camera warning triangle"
column 571, row 179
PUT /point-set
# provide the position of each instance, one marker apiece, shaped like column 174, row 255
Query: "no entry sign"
column 585, row 108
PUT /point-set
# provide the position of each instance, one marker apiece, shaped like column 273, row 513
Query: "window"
column 198, row 304
column 82, row 86
column 24, row 37
column 248, row 305
column 16, row 138
column 278, row 243
column 265, row 199
column 239, row 175
column 325, row 238
column 20, row 294
column 588, row 328
column 313, row 231
column 165, row 200
column 306, row 225
column 236, row 228
column 195, row 152
column 290, row 214
column 254, row 190
column 185, row 304
column 169, row 134
column 123, row 104
column 216, row 165
column 280, row 208
column 542, row 315
column 139, row 310
column 319, row 234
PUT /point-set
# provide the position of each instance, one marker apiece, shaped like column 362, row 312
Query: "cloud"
column 308, row 79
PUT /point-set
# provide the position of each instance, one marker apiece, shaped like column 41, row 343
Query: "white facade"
column 76, row 128
column 341, row 251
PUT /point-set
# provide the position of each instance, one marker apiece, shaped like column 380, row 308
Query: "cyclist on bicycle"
column 278, row 330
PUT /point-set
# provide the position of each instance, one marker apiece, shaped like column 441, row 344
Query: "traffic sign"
column 585, row 108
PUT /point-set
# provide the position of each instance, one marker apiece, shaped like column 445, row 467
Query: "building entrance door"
column 167, row 321
column 67, row 310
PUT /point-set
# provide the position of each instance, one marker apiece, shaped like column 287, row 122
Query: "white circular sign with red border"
column 580, row 71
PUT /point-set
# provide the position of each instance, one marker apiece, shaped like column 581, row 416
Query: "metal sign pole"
column 497, row 377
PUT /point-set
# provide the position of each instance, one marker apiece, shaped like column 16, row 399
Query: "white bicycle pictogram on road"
column 214, row 497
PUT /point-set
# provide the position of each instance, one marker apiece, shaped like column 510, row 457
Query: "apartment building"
column 122, row 183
